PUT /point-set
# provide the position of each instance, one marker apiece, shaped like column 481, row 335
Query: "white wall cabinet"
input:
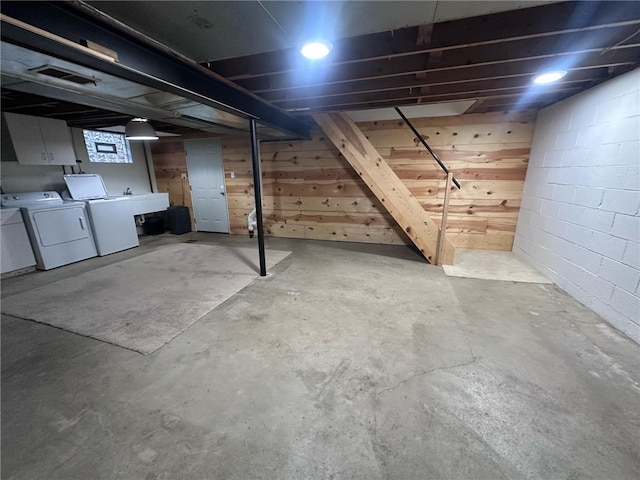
column 40, row 141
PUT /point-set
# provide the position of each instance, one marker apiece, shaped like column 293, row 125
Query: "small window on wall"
column 107, row 147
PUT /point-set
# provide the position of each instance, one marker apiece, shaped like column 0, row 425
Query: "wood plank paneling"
column 170, row 165
column 308, row 185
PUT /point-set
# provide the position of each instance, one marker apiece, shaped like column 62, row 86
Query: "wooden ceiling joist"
column 385, row 185
column 514, row 51
column 490, row 59
column 473, row 58
column 526, row 24
column 359, row 103
column 484, row 88
column 613, row 58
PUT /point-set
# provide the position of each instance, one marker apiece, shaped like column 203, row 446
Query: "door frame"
column 224, row 182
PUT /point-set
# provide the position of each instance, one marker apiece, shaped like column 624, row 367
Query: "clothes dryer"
column 59, row 231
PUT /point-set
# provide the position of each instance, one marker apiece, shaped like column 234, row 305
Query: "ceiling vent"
column 62, row 74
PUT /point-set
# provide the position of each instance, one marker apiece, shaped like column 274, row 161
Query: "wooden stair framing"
column 385, row 185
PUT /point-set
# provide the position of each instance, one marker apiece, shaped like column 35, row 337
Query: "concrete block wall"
column 579, row 222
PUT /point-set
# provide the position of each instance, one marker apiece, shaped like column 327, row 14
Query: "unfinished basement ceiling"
column 26, row 73
column 487, row 60
column 206, row 31
column 40, row 77
column 490, row 58
column 32, row 84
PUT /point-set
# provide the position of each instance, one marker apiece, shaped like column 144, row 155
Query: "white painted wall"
column 579, row 222
column 117, row 177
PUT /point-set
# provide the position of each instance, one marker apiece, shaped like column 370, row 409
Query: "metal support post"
column 257, row 188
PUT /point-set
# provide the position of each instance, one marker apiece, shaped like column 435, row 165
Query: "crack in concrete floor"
column 357, row 378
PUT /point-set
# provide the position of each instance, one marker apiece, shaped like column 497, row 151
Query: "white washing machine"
column 112, row 220
column 59, row 231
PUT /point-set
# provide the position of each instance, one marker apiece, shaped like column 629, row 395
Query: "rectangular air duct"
column 62, row 74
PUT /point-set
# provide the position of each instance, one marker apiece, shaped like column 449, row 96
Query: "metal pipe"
column 433, row 154
column 146, row 148
column 257, row 188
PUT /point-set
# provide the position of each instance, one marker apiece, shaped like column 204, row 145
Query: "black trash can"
column 179, row 220
column 153, row 225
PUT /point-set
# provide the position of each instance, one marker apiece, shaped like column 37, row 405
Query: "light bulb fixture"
column 139, row 129
column 316, row 49
column 549, row 77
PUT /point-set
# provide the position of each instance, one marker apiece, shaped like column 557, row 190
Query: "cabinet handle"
column 81, row 223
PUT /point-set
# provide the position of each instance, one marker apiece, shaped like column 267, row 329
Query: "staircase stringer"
column 385, row 185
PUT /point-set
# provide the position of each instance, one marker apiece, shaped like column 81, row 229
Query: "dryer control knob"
column 16, row 197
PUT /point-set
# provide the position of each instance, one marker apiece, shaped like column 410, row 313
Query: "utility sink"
column 144, row 203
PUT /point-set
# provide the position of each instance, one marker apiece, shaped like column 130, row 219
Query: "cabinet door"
column 57, row 141
column 27, row 139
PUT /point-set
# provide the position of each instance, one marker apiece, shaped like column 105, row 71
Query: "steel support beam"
column 257, row 188
column 137, row 61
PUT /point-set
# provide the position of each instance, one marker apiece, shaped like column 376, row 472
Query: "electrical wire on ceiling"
column 273, row 18
column 435, row 11
column 605, row 50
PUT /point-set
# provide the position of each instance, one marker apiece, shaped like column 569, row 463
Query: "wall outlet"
column 183, row 176
column 233, row 174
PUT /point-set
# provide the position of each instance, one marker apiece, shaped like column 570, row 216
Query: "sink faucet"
column 128, row 191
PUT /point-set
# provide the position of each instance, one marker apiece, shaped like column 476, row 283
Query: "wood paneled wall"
column 170, row 165
column 310, row 191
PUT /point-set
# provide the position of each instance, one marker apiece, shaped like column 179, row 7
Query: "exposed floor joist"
column 74, row 114
column 487, row 58
column 59, row 29
column 385, row 185
column 471, row 74
column 490, row 59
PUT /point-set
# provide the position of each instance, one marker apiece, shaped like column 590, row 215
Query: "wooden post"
column 445, row 212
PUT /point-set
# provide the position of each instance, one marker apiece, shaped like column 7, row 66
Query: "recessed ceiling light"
column 549, row 77
column 316, row 49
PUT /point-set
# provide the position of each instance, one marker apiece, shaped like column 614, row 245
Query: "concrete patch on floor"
column 490, row 265
column 144, row 302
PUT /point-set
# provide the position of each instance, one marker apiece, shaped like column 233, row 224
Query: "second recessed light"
column 549, row 77
column 316, row 49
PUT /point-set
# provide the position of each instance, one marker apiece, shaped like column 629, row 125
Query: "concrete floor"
column 347, row 361
column 492, row 265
